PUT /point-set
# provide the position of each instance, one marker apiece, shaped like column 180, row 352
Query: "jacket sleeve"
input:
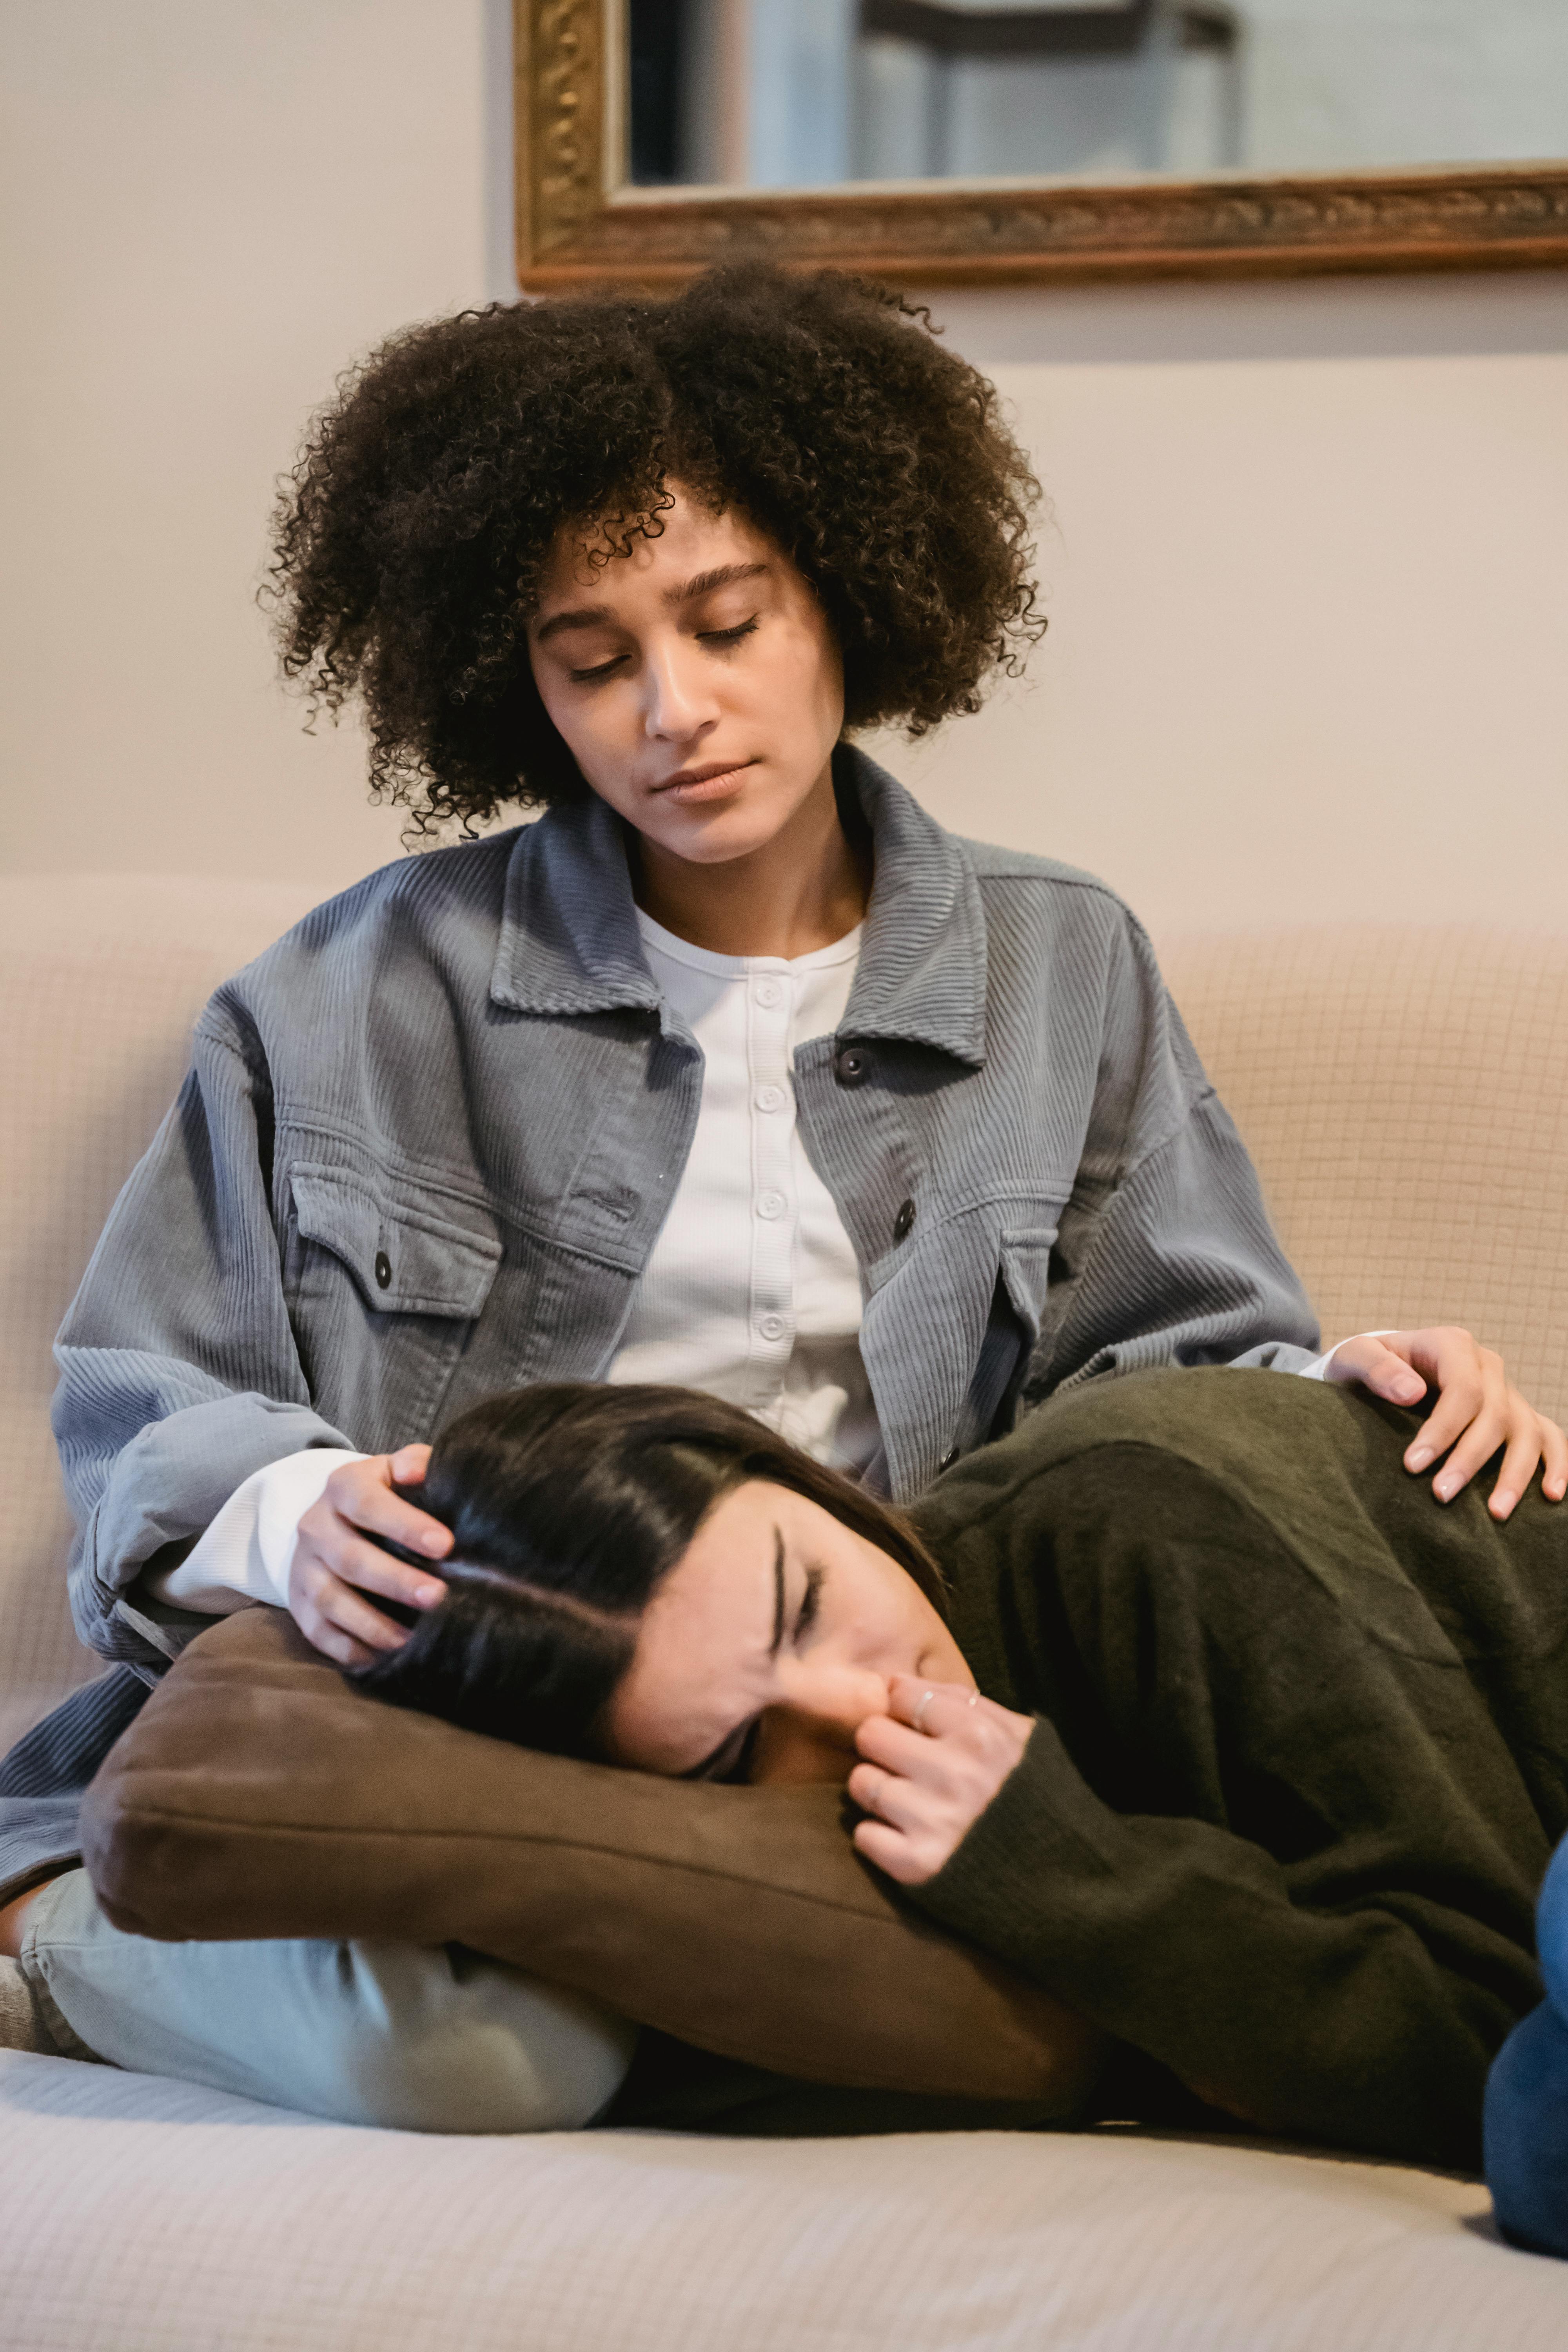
column 1165, row 1253
column 178, row 1375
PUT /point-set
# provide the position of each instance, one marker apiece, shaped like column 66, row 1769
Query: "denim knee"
column 1526, row 2133
column 445, row 2042
column 1552, row 1929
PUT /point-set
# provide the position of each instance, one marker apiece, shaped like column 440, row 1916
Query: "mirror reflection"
column 802, row 93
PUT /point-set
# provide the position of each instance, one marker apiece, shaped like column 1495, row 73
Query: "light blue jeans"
column 412, row 2039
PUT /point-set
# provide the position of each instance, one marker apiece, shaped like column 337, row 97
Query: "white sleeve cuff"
column 1318, row 1367
column 247, row 1551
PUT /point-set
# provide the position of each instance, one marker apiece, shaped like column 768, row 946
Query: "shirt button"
column 903, row 1224
column 769, row 1098
column 950, row 1458
column 852, row 1066
column 767, row 993
column 382, row 1271
column 772, row 1327
column 772, row 1204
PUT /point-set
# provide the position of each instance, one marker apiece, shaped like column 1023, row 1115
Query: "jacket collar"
column 569, row 937
column 570, row 943
column 921, row 975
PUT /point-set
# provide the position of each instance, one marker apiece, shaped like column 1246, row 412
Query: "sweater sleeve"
column 1286, row 1859
column 1358, row 2027
column 1165, row 1254
column 178, row 1375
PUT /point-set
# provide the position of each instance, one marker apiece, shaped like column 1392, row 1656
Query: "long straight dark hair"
column 570, row 1503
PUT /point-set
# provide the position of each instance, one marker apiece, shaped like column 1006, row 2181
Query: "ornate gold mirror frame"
column 577, row 225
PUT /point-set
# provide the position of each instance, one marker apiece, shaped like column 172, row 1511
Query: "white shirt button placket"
column 770, row 1000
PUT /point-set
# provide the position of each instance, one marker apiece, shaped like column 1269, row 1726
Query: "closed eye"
column 719, row 638
column 808, row 1607
column 731, row 1760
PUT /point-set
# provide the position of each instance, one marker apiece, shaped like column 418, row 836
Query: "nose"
column 834, row 1693
column 810, row 1734
column 679, row 703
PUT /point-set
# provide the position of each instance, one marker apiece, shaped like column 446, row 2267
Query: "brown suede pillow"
column 257, row 1794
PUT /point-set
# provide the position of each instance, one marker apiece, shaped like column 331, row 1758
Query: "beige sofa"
column 1405, row 1094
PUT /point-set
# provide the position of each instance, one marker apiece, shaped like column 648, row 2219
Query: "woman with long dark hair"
column 1183, row 1701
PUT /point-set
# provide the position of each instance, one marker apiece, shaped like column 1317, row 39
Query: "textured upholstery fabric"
column 150, row 2217
column 100, row 979
column 1403, row 1091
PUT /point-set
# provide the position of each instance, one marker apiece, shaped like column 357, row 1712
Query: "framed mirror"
column 964, row 142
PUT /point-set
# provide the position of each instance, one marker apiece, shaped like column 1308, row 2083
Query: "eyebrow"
column 701, row 583
column 778, row 1593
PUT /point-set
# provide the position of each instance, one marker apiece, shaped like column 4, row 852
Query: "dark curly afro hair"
column 412, row 536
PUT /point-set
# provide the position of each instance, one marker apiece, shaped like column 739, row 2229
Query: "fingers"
column 1372, row 1360
column 1478, row 1411
column 335, row 1566
column 1470, row 1385
column 892, row 1854
column 888, row 1795
column 1554, row 1447
column 1492, row 1428
column 928, row 1770
column 927, row 1706
column 895, row 1747
column 334, row 1545
column 901, row 1833
column 945, row 1712
column 338, row 1621
column 361, row 1492
column 1518, row 1461
column 358, row 1497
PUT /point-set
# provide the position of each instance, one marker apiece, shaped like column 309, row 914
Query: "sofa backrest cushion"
column 101, row 977
column 1403, row 1091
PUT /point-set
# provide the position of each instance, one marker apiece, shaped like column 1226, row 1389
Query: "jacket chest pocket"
column 384, row 1280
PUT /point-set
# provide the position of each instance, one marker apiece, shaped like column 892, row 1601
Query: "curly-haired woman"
column 734, row 1070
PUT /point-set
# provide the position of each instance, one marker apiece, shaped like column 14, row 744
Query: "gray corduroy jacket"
column 429, row 1137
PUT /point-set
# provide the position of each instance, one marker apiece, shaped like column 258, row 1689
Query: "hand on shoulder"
column 1478, row 1411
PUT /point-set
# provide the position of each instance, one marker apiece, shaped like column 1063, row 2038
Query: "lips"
column 708, row 783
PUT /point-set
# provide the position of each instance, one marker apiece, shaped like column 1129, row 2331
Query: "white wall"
column 1307, row 579
column 211, row 206
column 1307, row 589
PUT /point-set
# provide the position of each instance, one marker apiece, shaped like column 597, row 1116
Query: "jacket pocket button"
column 903, row 1222
column 382, row 1271
column 852, row 1066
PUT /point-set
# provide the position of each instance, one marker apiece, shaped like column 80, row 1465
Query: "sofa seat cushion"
column 159, row 2218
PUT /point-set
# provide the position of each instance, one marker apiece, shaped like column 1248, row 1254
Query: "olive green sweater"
column 1300, row 1752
